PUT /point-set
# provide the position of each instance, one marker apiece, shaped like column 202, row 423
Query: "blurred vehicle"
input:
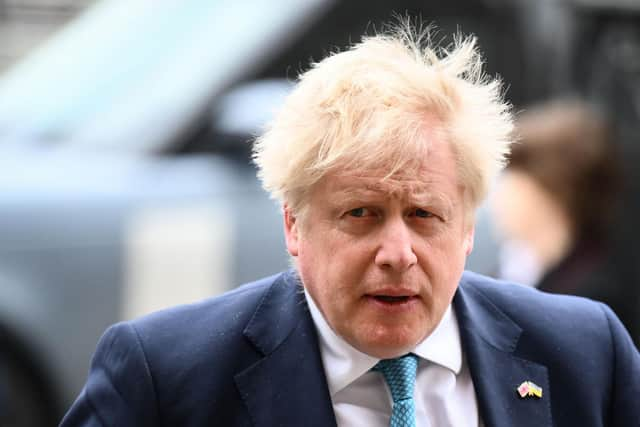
column 105, row 214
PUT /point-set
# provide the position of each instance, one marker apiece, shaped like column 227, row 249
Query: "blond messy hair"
column 367, row 108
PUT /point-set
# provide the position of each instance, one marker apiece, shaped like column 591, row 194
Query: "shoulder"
column 189, row 347
column 203, row 332
column 588, row 354
column 218, row 319
column 523, row 302
column 550, row 321
column 224, row 311
column 144, row 368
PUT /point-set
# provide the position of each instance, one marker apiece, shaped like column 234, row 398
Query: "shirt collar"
column 443, row 346
column 343, row 364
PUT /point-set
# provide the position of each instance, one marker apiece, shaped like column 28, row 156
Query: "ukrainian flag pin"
column 529, row 389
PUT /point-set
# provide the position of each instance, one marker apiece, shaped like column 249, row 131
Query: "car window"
column 110, row 77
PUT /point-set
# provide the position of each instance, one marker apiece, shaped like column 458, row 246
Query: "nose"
column 395, row 250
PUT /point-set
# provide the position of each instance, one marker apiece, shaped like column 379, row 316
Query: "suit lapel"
column 288, row 385
column 490, row 339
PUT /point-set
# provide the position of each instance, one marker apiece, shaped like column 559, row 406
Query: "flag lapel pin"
column 529, row 389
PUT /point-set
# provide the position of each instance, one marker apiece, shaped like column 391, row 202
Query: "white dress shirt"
column 444, row 393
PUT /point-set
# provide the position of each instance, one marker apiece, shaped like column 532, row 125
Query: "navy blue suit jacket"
column 251, row 358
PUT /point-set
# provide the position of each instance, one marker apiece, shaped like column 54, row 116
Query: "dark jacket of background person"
column 251, row 357
column 568, row 150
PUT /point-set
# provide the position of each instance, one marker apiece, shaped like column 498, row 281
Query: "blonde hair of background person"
column 368, row 107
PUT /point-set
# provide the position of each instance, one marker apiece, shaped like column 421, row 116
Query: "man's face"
column 382, row 258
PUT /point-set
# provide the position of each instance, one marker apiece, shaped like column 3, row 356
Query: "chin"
column 387, row 351
column 389, row 344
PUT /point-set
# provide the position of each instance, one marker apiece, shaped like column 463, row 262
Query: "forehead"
column 361, row 184
column 436, row 172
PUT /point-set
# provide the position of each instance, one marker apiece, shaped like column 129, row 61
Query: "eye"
column 358, row 212
column 421, row 213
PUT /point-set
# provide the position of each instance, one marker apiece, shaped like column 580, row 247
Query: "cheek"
column 331, row 270
column 444, row 256
column 451, row 242
column 317, row 267
column 336, row 253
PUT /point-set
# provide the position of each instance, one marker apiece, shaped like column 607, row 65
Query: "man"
column 379, row 158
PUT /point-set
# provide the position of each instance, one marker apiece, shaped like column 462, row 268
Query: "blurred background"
column 126, row 183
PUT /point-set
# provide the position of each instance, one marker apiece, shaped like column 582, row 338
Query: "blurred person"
column 555, row 203
column 379, row 158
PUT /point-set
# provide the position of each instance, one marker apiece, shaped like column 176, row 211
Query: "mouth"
column 389, row 299
column 393, row 298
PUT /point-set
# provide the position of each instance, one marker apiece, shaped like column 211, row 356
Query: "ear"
column 468, row 240
column 290, row 231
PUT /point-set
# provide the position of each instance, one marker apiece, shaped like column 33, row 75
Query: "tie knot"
column 400, row 374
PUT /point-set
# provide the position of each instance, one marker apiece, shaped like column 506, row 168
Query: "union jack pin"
column 529, row 389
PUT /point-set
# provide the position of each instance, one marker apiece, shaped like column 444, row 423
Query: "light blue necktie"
column 400, row 374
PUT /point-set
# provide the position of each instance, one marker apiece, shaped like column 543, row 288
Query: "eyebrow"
column 419, row 195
